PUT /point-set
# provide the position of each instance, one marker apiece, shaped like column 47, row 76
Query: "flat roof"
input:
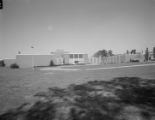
column 9, row 59
column 75, row 53
column 48, row 54
column 34, row 54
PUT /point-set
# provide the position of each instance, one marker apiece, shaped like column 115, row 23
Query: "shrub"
column 134, row 60
column 2, row 64
column 14, row 66
column 52, row 63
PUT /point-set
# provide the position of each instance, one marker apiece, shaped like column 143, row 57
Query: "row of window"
column 76, row 56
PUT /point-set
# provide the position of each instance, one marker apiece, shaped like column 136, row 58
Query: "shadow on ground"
column 125, row 98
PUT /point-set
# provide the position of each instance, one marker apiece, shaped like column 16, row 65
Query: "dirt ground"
column 18, row 85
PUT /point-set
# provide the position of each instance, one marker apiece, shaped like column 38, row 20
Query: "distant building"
column 151, row 55
column 30, row 60
column 75, row 58
column 116, row 59
column 57, row 58
column 139, row 57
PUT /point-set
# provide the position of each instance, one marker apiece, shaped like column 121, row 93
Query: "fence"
column 124, row 58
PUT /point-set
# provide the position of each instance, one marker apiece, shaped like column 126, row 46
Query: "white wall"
column 42, row 60
column 25, row 61
column 28, row 61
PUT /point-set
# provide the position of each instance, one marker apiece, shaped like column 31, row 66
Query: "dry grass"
column 18, row 85
column 125, row 98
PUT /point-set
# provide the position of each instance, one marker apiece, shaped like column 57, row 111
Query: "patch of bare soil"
column 125, row 98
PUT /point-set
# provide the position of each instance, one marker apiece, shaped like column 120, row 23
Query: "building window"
column 80, row 55
column 75, row 55
column 71, row 56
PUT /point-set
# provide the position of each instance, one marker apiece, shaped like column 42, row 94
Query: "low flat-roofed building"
column 30, row 60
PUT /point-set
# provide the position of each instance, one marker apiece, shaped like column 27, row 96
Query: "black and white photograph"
column 77, row 59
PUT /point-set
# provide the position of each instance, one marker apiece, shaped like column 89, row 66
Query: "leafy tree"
column 101, row 53
column 133, row 51
column 110, row 53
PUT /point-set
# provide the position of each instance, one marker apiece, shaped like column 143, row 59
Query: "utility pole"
column 154, row 53
column 32, row 47
column 147, row 54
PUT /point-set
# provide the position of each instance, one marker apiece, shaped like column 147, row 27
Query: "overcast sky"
column 76, row 26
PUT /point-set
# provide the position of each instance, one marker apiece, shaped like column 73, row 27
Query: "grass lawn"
column 17, row 85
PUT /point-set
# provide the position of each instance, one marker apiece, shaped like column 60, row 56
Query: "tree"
column 110, row 53
column 147, row 54
column 101, row 53
column 133, row 51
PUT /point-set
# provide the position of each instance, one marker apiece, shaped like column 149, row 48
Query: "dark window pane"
column 71, row 56
column 80, row 56
column 76, row 56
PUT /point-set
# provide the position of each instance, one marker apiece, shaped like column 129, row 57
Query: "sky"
column 84, row 26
